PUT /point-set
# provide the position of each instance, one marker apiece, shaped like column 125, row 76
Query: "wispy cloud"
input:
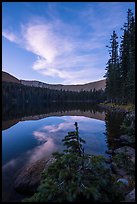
column 60, row 55
column 56, row 128
column 74, row 53
column 10, row 36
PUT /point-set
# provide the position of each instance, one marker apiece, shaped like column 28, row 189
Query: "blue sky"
column 57, row 42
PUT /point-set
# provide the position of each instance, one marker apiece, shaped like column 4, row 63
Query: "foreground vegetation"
column 76, row 176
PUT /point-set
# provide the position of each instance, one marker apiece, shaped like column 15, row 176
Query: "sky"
column 60, row 42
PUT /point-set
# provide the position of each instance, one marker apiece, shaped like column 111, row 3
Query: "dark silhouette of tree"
column 13, row 93
column 112, row 75
column 120, row 75
column 127, row 59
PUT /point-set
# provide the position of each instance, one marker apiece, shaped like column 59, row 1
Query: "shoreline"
column 129, row 108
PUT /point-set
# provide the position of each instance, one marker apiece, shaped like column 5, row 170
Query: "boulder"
column 123, row 162
column 108, row 160
column 110, row 151
column 125, row 139
column 29, row 178
column 133, row 159
column 123, row 185
column 130, row 197
column 116, row 139
column 128, row 151
column 118, row 170
column 123, row 181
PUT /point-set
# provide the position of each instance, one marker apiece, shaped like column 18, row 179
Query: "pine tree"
column 74, row 142
column 112, row 75
column 120, row 75
column 127, row 59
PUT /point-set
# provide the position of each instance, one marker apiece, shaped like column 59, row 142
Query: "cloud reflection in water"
column 52, row 130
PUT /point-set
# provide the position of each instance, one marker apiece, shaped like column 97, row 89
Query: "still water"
column 33, row 133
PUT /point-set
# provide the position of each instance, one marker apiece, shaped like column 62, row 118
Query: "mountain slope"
column 9, row 78
column 85, row 87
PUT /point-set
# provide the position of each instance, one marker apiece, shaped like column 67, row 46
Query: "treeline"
column 19, row 110
column 18, row 93
column 120, row 75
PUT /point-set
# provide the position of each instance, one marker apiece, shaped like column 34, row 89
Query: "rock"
column 133, row 159
column 108, row 160
column 123, row 185
column 126, row 139
column 123, row 161
column 130, row 197
column 128, row 151
column 29, row 178
column 116, row 139
column 117, row 170
column 110, row 151
column 123, row 180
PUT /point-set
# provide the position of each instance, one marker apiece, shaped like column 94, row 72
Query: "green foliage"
column 76, row 176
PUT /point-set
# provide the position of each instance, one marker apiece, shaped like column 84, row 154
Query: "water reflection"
column 36, row 130
column 113, row 122
column 13, row 114
column 33, row 133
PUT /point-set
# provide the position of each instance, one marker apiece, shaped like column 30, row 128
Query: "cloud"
column 40, row 136
column 72, row 52
column 58, row 55
column 60, row 52
column 10, row 36
column 56, row 128
column 39, row 41
column 44, row 150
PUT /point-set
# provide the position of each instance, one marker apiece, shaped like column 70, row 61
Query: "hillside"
column 85, row 87
column 9, row 78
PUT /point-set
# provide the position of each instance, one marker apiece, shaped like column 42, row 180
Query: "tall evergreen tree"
column 127, row 59
column 112, row 75
column 120, row 75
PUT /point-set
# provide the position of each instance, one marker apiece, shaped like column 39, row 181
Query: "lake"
column 32, row 133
